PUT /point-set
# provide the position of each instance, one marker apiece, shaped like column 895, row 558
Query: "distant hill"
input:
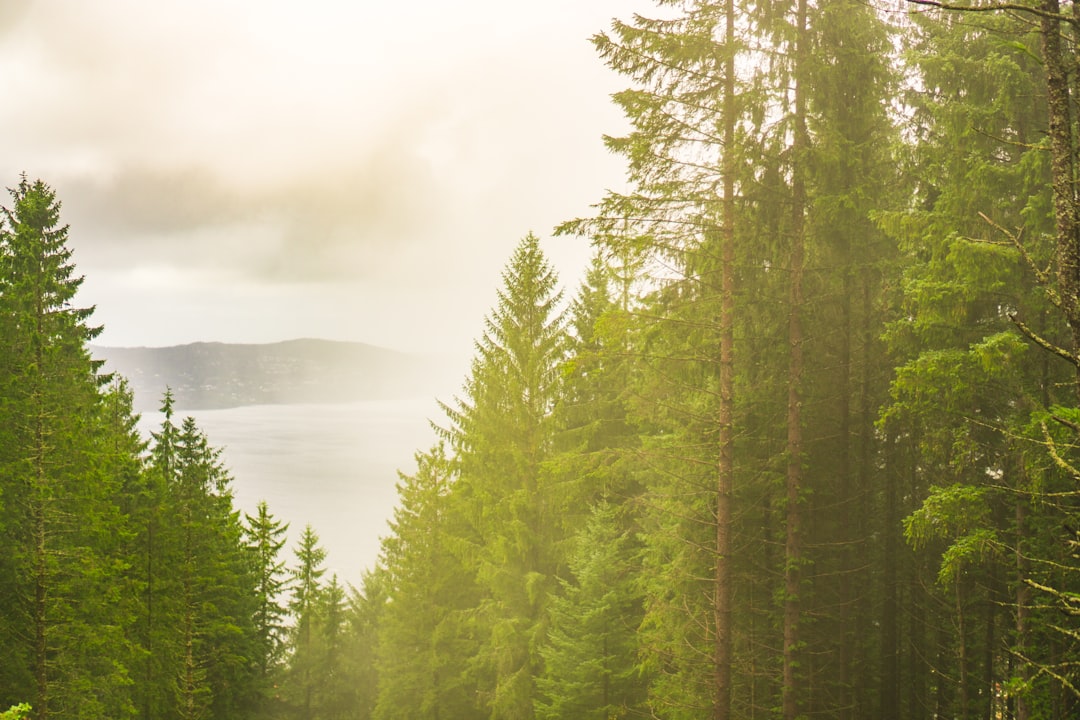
column 220, row 375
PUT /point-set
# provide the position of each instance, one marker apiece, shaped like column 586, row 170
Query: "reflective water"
column 333, row 466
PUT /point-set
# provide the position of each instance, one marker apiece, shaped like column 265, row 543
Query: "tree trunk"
column 850, row 522
column 962, row 653
column 39, row 514
column 793, row 540
column 890, row 620
column 1062, row 172
column 987, row 689
column 1023, row 605
column 726, row 469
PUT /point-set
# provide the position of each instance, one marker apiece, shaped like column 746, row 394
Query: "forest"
column 805, row 441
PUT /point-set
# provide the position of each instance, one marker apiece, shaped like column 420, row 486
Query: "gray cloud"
column 327, row 226
column 11, row 14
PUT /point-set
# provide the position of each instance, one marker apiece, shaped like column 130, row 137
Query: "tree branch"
column 1043, row 342
column 996, row 7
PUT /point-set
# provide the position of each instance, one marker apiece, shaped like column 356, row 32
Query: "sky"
column 247, row 171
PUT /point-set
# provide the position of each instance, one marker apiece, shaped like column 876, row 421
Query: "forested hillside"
column 803, row 443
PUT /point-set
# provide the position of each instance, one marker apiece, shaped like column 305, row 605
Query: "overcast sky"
column 255, row 171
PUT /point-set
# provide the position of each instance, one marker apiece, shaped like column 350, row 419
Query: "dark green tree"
column 304, row 664
column 979, row 239
column 64, row 534
column 200, row 599
column 217, row 585
column 265, row 538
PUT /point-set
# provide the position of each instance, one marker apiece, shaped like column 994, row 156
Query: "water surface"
column 333, row 466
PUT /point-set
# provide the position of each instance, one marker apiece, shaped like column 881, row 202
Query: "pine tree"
column 153, row 564
column 306, row 595
column 594, row 435
column 757, row 155
column 422, row 638
column 63, row 630
column 967, row 387
column 367, row 609
column 335, row 691
column 201, row 589
column 590, row 660
column 265, row 538
column 684, row 159
column 501, row 434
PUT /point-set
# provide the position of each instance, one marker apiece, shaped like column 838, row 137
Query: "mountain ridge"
column 215, row 375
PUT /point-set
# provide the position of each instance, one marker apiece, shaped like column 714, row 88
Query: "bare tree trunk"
column 850, row 521
column 987, row 686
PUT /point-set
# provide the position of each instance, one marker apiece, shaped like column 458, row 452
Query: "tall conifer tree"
column 51, row 476
column 264, row 538
column 424, row 637
column 307, row 588
column 501, row 433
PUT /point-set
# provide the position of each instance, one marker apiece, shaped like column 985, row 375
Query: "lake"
column 333, row 466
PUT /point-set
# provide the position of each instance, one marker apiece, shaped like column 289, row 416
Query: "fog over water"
column 333, row 466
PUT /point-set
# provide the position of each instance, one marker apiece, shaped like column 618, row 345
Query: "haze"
column 256, row 171
column 260, row 171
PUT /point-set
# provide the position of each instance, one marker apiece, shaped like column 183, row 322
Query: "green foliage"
column 590, row 658
column 16, row 712
column 424, row 633
column 816, row 326
column 947, row 513
column 126, row 588
column 60, row 477
column 264, row 538
column 502, row 434
column 959, row 515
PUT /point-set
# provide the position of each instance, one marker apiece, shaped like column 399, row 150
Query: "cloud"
column 331, row 224
column 11, row 14
column 373, row 161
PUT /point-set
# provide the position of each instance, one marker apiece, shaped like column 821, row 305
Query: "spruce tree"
column 307, row 591
column 65, row 531
column 684, row 159
column 590, row 659
column 423, row 641
column 501, row 434
column 367, row 608
column 984, row 242
column 265, row 538
column 335, row 692
column 201, row 594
